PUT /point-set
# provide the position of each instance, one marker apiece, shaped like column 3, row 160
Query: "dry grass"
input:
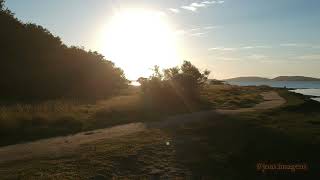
column 232, row 97
column 24, row 122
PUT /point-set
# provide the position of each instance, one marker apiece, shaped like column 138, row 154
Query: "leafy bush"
column 174, row 86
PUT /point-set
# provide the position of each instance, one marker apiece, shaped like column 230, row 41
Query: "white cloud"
column 228, row 58
column 239, row 48
column 310, row 57
column 257, row 56
column 199, row 34
column 198, row 5
column 174, row 10
column 212, row 27
column 256, row 47
column 225, row 58
column 197, row 31
column 264, row 47
column 248, row 47
column 208, row 2
column 221, row 49
column 289, row 44
column 190, row 8
column 293, row 45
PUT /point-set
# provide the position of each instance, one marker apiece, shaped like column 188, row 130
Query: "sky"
column 229, row 37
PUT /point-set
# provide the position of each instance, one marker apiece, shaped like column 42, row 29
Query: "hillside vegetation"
column 279, row 78
column 36, row 65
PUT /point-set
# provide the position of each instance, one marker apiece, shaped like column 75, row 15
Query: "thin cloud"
column 226, row 58
column 229, row 59
column 257, row 56
column 198, row 5
column 238, row 48
column 212, row 27
column 256, row 47
column 199, row 34
column 289, row 45
column 221, row 49
column 197, row 31
column 293, row 45
column 174, row 10
column 208, row 2
column 248, row 47
column 190, row 8
column 310, row 57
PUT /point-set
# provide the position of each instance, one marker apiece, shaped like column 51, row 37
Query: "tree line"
column 35, row 64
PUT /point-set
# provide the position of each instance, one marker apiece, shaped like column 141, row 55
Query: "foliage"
column 35, row 64
column 174, row 86
column 232, row 97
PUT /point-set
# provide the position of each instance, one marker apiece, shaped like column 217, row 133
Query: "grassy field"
column 210, row 147
column 21, row 122
column 233, row 97
column 229, row 147
column 29, row 121
column 214, row 146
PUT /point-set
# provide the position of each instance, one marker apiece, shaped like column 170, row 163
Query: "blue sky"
column 230, row 37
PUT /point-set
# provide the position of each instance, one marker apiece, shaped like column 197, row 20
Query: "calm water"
column 311, row 88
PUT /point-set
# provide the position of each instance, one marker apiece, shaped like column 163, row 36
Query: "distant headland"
column 279, row 78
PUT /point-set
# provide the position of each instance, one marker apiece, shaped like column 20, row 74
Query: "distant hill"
column 295, row 78
column 279, row 78
column 249, row 78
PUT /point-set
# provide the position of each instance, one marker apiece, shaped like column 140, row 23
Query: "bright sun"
column 136, row 40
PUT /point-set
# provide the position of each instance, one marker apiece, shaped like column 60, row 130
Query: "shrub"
column 174, row 87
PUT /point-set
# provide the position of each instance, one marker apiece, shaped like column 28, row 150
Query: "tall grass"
column 23, row 122
column 230, row 97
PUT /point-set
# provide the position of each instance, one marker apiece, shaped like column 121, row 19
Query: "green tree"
column 174, row 86
column 35, row 64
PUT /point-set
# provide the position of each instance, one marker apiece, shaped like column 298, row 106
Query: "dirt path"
column 271, row 100
column 64, row 146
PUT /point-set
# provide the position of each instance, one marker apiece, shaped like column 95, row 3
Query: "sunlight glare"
column 136, row 40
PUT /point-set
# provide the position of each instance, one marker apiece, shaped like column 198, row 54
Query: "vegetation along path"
column 62, row 146
column 271, row 100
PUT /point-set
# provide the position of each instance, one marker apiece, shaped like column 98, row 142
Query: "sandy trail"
column 65, row 146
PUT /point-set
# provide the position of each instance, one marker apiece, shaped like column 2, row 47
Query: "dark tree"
column 35, row 64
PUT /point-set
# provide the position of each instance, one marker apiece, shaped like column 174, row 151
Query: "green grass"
column 20, row 122
column 216, row 147
column 228, row 147
column 232, row 97
column 27, row 122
